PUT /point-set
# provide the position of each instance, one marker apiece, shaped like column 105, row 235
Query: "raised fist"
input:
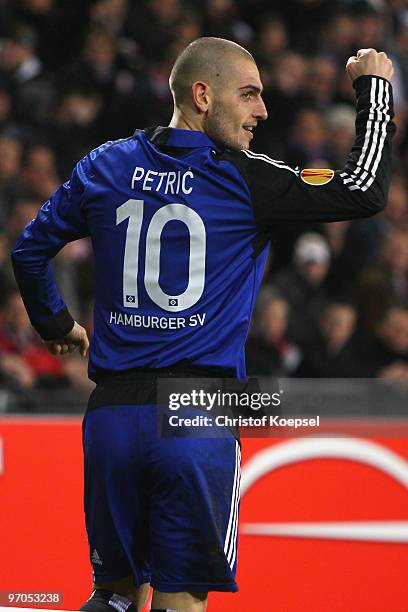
column 369, row 61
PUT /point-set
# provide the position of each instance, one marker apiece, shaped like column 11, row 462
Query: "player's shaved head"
column 206, row 59
column 217, row 90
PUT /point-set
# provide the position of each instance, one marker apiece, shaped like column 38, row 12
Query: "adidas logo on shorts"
column 96, row 560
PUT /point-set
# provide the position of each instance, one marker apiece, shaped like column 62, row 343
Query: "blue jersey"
column 180, row 228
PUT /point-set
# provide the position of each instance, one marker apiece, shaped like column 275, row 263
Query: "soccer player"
column 180, row 221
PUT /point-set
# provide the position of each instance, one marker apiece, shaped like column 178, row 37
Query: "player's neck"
column 179, row 120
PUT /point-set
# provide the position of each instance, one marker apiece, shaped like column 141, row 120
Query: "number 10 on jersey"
column 133, row 210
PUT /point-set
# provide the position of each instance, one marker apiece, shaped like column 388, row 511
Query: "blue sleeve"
column 60, row 220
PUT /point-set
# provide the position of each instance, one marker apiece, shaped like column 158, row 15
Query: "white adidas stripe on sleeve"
column 367, row 164
column 269, row 160
column 376, row 132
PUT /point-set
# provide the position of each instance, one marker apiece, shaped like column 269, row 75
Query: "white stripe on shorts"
column 233, row 544
column 231, row 536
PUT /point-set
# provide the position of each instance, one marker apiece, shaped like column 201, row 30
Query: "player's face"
column 237, row 107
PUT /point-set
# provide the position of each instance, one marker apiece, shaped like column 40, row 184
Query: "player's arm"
column 59, row 221
column 282, row 193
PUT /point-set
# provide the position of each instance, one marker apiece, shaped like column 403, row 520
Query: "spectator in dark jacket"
column 386, row 355
column 302, row 286
column 269, row 352
column 384, row 283
column 331, row 355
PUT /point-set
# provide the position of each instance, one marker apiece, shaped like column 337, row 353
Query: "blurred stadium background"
column 334, row 303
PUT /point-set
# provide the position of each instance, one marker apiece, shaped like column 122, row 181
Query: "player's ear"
column 201, row 96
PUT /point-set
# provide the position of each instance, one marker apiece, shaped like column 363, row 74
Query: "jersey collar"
column 176, row 137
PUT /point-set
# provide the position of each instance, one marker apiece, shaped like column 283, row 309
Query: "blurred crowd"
column 74, row 74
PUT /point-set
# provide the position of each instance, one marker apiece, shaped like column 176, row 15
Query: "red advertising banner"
column 323, row 525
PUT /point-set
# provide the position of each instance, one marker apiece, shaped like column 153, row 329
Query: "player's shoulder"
column 259, row 168
column 111, row 147
column 109, row 154
column 262, row 161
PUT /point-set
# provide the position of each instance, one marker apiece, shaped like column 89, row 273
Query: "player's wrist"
column 56, row 326
column 363, row 82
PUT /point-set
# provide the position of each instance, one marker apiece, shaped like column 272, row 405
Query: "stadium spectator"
column 357, row 246
column 5, row 105
column 23, row 71
column 340, row 120
column 321, row 81
column 395, row 216
column 19, row 60
column 339, row 37
column 400, row 51
column 302, row 286
column 284, row 96
column 24, row 360
column 76, row 126
column 4, row 264
column 308, row 140
column 369, row 26
column 386, row 355
column 384, row 283
column 268, row 350
column 10, row 166
column 222, row 19
column 188, row 29
column 109, row 15
column 272, row 41
column 154, row 25
column 24, row 210
column 41, row 15
column 331, row 354
column 39, row 176
column 396, row 213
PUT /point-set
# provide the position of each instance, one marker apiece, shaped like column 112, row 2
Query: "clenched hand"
column 369, row 61
column 76, row 339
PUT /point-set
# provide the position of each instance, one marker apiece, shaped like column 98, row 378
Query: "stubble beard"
column 217, row 128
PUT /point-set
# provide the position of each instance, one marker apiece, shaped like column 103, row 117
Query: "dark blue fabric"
column 159, row 508
column 199, row 213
